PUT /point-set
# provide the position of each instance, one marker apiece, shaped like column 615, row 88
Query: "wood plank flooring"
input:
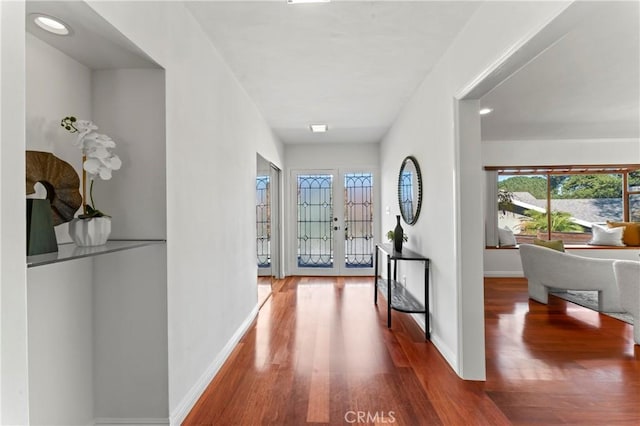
column 320, row 353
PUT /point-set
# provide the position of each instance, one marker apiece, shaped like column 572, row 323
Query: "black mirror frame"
column 412, row 159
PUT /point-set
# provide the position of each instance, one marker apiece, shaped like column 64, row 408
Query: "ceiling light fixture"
column 51, row 24
column 318, row 128
column 485, row 111
column 307, row 1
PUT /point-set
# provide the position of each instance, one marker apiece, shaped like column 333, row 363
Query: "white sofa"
column 627, row 275
column 546, row 268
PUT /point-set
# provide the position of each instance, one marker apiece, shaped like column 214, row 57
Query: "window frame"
column 547, row 171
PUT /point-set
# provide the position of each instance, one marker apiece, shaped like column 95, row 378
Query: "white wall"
column 61, row 343
column 13, row 291
column 57, row 86
column 129, row 106
column 74, row 337
column 130, row 334
column 98, row 339
column 506, row 263
column 560, row 152
column 319, row 156
column 213, row 133
column 426, row 129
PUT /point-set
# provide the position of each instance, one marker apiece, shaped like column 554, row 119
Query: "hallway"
column 320, row 353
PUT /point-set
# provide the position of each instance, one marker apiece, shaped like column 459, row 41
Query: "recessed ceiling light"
column 51, row 24
column 485, row 111
column 307, row 1
column 319, row 128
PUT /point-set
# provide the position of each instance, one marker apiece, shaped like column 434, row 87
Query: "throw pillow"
column 631, row 234
column 506, row 237
column 602, row 236
column 552, row 244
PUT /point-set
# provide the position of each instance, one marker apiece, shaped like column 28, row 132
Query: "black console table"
column 398, row 297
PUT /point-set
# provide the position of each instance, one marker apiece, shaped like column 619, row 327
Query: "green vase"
column 398, row 235
column 41, row 237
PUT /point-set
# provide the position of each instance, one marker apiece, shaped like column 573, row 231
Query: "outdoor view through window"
column 577, row 197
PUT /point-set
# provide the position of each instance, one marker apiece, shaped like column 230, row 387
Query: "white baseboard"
column 106, row 421
column 438, row 343
column 503, row 274
column 446, row 353
column 182, row 410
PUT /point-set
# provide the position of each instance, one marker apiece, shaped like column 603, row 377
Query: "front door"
column 334, row 214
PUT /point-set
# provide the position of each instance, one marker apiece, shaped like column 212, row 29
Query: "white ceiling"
column 351, row 65
column 586, row 85
column 94, row 42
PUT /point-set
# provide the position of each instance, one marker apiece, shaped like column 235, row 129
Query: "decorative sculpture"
column 61, row 181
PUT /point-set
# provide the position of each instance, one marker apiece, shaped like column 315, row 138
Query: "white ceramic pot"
column 90, row 232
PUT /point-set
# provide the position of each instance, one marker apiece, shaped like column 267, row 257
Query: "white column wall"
column 426, row 128
column 213, row 133
column 13, row 275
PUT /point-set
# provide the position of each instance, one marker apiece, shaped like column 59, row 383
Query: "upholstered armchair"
column 627, row 273
column 546, row 268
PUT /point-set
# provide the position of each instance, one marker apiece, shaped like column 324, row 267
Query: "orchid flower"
column 99, row 161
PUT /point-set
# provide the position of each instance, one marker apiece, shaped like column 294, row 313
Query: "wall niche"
column 97, row 326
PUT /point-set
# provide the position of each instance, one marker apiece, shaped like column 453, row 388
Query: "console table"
column 398, row 297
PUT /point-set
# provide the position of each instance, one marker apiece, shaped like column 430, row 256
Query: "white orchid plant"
column 98, row 158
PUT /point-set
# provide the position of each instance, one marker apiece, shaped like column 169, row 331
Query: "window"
column 263, row 222
column 633, row 191
column 561, row 202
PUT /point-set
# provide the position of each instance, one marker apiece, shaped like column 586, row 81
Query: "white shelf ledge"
column 71, row 251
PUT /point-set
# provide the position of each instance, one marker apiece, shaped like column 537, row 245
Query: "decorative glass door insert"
column 315, row 220
column 263, row 222
column 334, row 222
column 358, row 220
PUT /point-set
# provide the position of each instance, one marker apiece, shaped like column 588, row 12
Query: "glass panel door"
column 263, row 225
column 334, row 223
column 358, row 220
column 315, row 221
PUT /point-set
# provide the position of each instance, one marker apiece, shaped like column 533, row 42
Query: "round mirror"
column 410, row 190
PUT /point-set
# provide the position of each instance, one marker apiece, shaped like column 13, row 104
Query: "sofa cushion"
column 602, row 236
column 552, row 244
column 631, row 234
column 506, row 237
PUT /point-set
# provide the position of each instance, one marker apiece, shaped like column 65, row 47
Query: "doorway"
column 267, row 226
column 334, row 222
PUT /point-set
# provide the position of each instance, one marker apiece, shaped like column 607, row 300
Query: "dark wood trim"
column 569, row 168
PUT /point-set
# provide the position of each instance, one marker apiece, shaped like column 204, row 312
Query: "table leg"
column 388, row 292
column 427, row 333
column 375, row 277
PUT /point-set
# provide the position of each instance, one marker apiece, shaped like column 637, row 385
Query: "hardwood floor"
column 320, row 353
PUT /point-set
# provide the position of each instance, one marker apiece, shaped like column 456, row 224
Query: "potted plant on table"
column 92, row 227
column 391, row 236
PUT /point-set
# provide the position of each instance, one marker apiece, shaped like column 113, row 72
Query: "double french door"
column 334, row 222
